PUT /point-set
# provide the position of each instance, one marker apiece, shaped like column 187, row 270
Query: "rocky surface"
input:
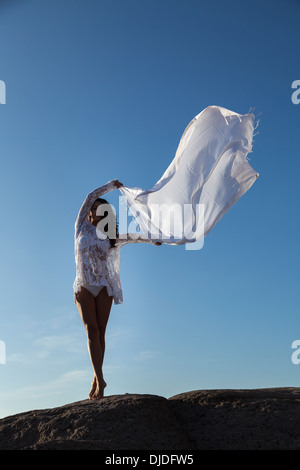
column 204, row 420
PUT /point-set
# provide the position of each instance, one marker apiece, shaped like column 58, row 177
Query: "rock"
column 266, row 419
column 196, row 420
column 115, row 422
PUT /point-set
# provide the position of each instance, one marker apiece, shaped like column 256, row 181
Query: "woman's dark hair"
column 112, row 214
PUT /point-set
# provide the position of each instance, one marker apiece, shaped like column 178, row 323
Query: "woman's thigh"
column 103, row 307
column 86, row 305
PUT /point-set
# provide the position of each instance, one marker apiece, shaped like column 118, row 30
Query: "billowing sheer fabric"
column 97, row 263
column 209, row 173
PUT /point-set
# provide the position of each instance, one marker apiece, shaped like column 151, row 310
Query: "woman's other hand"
column 118, row 184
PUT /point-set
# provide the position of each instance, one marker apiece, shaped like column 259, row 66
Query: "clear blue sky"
column 99, row 90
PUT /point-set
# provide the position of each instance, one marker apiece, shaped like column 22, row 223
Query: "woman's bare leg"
column 86, row 305
column 103, row 307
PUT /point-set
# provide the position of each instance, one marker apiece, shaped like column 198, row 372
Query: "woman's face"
column 93, row 217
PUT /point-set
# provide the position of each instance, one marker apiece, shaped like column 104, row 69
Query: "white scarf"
column 208, row 175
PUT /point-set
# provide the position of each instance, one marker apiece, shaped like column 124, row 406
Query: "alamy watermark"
column 2, row 352
column 296, row 94
column 2, row 92
column 295, row 356
column 169, row 223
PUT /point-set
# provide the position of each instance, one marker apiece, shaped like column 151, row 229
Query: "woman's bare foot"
column 96, row 393
column 99, row 392
column 93, row 389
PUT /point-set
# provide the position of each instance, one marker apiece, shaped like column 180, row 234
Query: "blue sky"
column 101, row 90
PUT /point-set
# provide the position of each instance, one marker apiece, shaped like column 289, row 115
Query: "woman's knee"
column 93, row 332
column 102, row 335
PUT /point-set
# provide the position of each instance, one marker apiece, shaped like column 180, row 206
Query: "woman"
column 97, row 283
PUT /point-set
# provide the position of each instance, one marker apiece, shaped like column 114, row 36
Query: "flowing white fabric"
column 209, row 174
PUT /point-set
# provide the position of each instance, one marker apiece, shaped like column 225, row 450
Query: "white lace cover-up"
column 97, row 263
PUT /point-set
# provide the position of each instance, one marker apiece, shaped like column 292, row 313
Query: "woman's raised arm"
column 91, row 197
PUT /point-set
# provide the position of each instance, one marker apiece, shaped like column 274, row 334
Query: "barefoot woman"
column 97, row 282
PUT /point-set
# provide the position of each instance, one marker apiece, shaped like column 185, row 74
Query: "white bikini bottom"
column 94, row 290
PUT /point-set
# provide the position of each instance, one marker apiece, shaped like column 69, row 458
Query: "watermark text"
column 165, row 223
column 296, row 354
column 296, row 94
column 2, row 92
column 2, row 352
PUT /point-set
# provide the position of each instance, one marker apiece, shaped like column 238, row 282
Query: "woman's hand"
column 118, row 184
